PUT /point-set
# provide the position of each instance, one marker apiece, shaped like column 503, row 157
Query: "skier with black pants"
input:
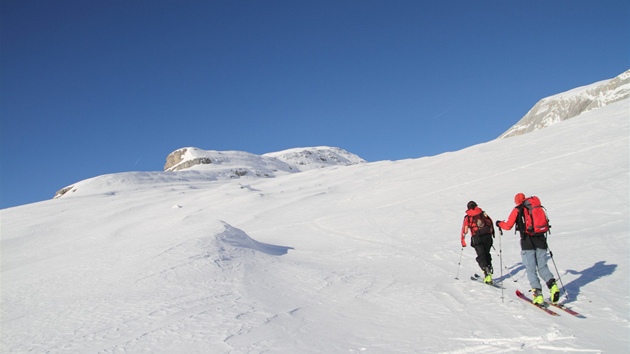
column 482, row 232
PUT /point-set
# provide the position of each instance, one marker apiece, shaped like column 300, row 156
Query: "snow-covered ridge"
column 569, row 104
column 304, row 159
column 292, row 160
column 232, row 163
column 192, row 164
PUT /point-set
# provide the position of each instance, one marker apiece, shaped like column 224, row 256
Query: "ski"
column 567, row 310
column 478, row 278
column 528, row 300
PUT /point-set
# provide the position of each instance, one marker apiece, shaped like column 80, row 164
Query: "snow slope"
column 343, row 259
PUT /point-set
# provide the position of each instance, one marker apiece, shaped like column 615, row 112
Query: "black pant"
column 482, row 245
column 532, row 242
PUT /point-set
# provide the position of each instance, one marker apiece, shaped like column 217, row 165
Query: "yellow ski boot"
column 555, row 293
column 537, row 297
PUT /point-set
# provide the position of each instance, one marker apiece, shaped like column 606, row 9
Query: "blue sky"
column 95, row 87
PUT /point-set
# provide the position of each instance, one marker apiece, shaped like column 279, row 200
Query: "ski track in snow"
column 359, row 259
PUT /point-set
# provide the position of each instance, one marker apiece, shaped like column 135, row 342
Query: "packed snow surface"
column 344, row 259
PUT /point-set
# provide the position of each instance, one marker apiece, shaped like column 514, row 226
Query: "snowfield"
column 347, row 259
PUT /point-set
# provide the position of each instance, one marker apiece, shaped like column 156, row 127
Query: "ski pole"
column 524, row 273
column 566, row 294
column 460, row 263
column 510, row 274
column 501, row 256
column 501, row 264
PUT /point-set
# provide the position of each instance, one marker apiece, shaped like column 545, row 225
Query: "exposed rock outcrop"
column 62, row 191
column 175, row 161
column 554, row 109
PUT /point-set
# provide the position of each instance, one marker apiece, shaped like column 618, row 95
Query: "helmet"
column 471, row 205
column 519, row 198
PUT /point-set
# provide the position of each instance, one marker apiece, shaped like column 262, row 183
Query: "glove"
column 463, row 241
column 497, row 223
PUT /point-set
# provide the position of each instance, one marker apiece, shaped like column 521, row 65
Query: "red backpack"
column 535, row 218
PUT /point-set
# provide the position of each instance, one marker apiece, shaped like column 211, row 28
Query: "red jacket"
column 507, row 225
column 466, row 225
column 527, row 243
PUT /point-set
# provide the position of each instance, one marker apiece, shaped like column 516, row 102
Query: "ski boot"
column 487, row 271
column 553, row 288
column 537, row 297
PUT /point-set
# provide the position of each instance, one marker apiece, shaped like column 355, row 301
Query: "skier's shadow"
column 588, row 275
column 512, row 271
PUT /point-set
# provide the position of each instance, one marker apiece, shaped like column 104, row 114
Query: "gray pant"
column 535, row 261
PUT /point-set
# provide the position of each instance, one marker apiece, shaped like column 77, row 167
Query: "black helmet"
column 471, row 205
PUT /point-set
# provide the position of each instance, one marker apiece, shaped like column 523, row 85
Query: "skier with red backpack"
column 532, row 223
column 482, row 232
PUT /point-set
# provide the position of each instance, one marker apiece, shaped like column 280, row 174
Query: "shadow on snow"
column 239, row 238
column 588, row 275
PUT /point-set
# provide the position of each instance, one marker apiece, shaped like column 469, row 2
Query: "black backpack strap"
column 491, row 223
column 520, row 221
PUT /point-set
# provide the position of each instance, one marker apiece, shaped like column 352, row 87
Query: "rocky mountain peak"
column 566, row 105
column 240, row 163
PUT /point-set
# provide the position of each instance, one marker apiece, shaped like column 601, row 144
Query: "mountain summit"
column 194, row 164
column 241, row 163
column 556, row 108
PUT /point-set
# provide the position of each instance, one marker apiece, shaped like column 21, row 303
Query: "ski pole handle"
column 499, row 227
